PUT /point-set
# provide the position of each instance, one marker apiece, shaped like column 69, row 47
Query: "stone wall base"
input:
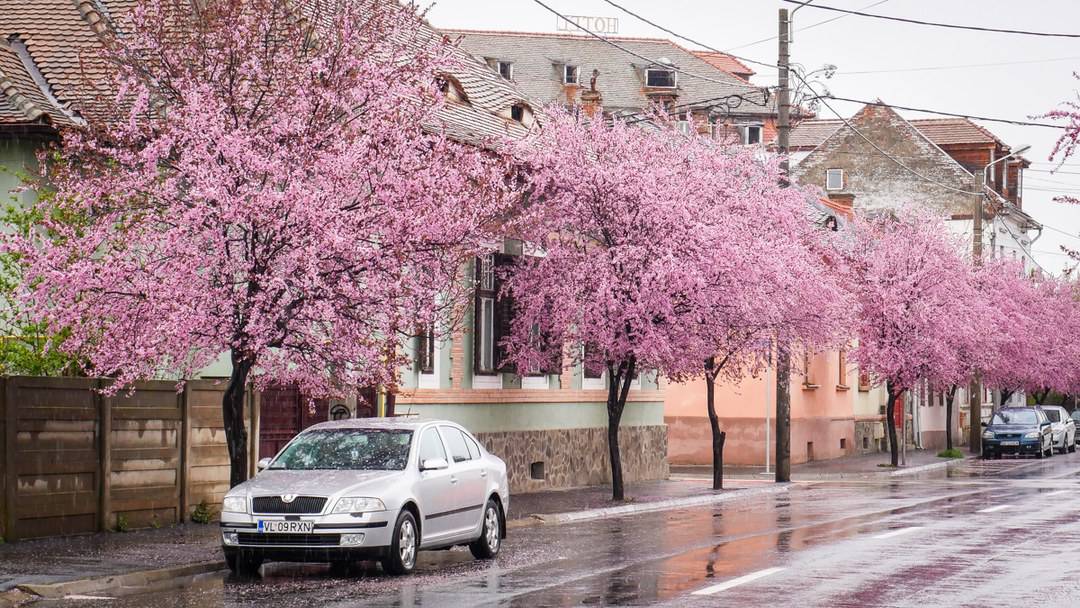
column 566, row 458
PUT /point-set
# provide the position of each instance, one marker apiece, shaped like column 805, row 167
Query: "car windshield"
column 346, row 449
column 1076, row 415
column 1015, row 417
column 1053, row 415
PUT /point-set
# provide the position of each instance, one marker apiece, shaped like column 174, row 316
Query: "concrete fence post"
column 10, row 477
column 185, row 453
column 104, row 408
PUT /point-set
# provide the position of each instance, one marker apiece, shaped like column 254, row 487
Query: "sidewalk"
column 863, row 465
column 106, row 562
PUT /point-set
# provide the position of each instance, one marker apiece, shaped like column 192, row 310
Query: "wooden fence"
column 76, row 461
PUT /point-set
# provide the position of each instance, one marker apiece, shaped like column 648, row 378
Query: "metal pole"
column 783, row 358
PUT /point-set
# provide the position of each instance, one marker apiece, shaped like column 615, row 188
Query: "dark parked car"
column 1018, row 430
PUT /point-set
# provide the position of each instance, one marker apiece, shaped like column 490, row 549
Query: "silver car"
column 374, row 488
column 1063, row 427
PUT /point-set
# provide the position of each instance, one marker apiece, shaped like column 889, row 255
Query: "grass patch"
column 202, row 513
column 950, row 453
column 887, row 465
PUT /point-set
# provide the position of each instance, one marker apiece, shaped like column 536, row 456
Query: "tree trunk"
column 890, row 421
column 232, row 413
column 1040, row 396
column 718, row 436
column 619, row 379
column 950, row 398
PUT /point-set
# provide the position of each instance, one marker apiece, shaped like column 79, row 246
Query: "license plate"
column 1010, row 443
column 286, row 527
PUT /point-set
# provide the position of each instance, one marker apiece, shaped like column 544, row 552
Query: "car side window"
column 459, row 450
column 431, row 446
column 474, row 450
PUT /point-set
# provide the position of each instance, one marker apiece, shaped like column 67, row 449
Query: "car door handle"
column 483, row 473
column 453, row 479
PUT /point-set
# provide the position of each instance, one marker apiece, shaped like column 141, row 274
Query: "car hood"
column 1012, row 428
column 315, row 483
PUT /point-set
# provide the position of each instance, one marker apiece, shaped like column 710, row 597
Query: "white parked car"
column 1063, row 427
column 369, row 488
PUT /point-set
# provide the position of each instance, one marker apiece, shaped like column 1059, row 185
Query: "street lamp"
column 1016, row 152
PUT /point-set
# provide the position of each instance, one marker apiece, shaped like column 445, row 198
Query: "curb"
column 647, row 507
column 883, row 473
column 929, row 467
column 113, row 582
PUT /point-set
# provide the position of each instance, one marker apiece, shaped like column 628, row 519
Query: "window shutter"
column 504, row 314
column 477, row 265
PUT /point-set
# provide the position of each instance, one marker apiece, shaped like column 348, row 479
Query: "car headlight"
column 1032, row 435
column 988, row 434
column 234, row 504
column 358, row 504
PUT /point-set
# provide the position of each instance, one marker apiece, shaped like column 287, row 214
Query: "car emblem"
column 287, row 498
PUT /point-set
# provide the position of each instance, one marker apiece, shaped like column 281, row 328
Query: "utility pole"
column 783, row 356
column 975, row 392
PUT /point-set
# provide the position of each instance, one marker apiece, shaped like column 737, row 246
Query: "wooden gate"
column 283, row 413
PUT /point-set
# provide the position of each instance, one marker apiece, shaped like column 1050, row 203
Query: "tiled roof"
column 809, row 134
column 727, row 63
column 60, row 38
column 536, row 58
column 945, row 131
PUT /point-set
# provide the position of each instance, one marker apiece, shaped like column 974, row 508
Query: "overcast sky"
column 858, row 44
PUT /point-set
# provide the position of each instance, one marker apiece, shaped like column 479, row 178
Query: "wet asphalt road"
column 995, row 533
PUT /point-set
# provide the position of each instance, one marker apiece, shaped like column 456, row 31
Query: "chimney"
column 591, row 100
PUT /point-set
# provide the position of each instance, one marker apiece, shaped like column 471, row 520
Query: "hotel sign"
column 596, row 25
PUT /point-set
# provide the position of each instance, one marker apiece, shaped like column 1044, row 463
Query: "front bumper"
column 333, row 537
column 1025, row 446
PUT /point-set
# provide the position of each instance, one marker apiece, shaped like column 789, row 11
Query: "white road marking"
column 735, row 582
column 899, row 532
column 994, row 509
column 87, row 597
column 1058, row 493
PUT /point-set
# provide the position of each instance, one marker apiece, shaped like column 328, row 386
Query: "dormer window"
column 506, row 69
column 451, row 88
column 570, row 74
column 517, row 112
column 660, row 78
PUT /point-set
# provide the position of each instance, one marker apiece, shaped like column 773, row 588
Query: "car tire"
column 1072, row 445
column 404, row 544
column 989, row 455
column 491, row 533
column 242, row 564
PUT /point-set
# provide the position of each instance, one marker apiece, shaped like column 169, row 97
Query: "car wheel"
column 1072, row 446
column 487, row 546
column 401, row 558
column 242, row 564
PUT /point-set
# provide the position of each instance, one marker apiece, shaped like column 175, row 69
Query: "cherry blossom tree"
column 272, row 184
column 911, row 284
column 644, row 240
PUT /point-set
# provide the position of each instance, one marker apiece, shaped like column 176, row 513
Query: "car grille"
column 1008, row 435
column 289, row 540
column 301, row 505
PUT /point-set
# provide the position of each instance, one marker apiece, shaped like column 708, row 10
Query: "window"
column 431, row 446
column 841, row 381
column 459, row 450
column 570, row 74
column 485, row 315
column 683, row 126
column 517, row 112
column 751, row 134
column 506, row 69
column 474, row 450
column 425, row 350
column 660, row 78
column 592, row 363
column 864, row 381
column 834, row 179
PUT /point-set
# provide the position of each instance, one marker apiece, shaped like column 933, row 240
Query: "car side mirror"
column 983, row 424
column 434, row 464
column 263, row 464
column 1044, row 424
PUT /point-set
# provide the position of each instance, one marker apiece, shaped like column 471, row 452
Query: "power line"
column 1022, row 123
column 802, row 29
column 954, row 26
column 935, row 68
column 1005, row 225
column 805, row 83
